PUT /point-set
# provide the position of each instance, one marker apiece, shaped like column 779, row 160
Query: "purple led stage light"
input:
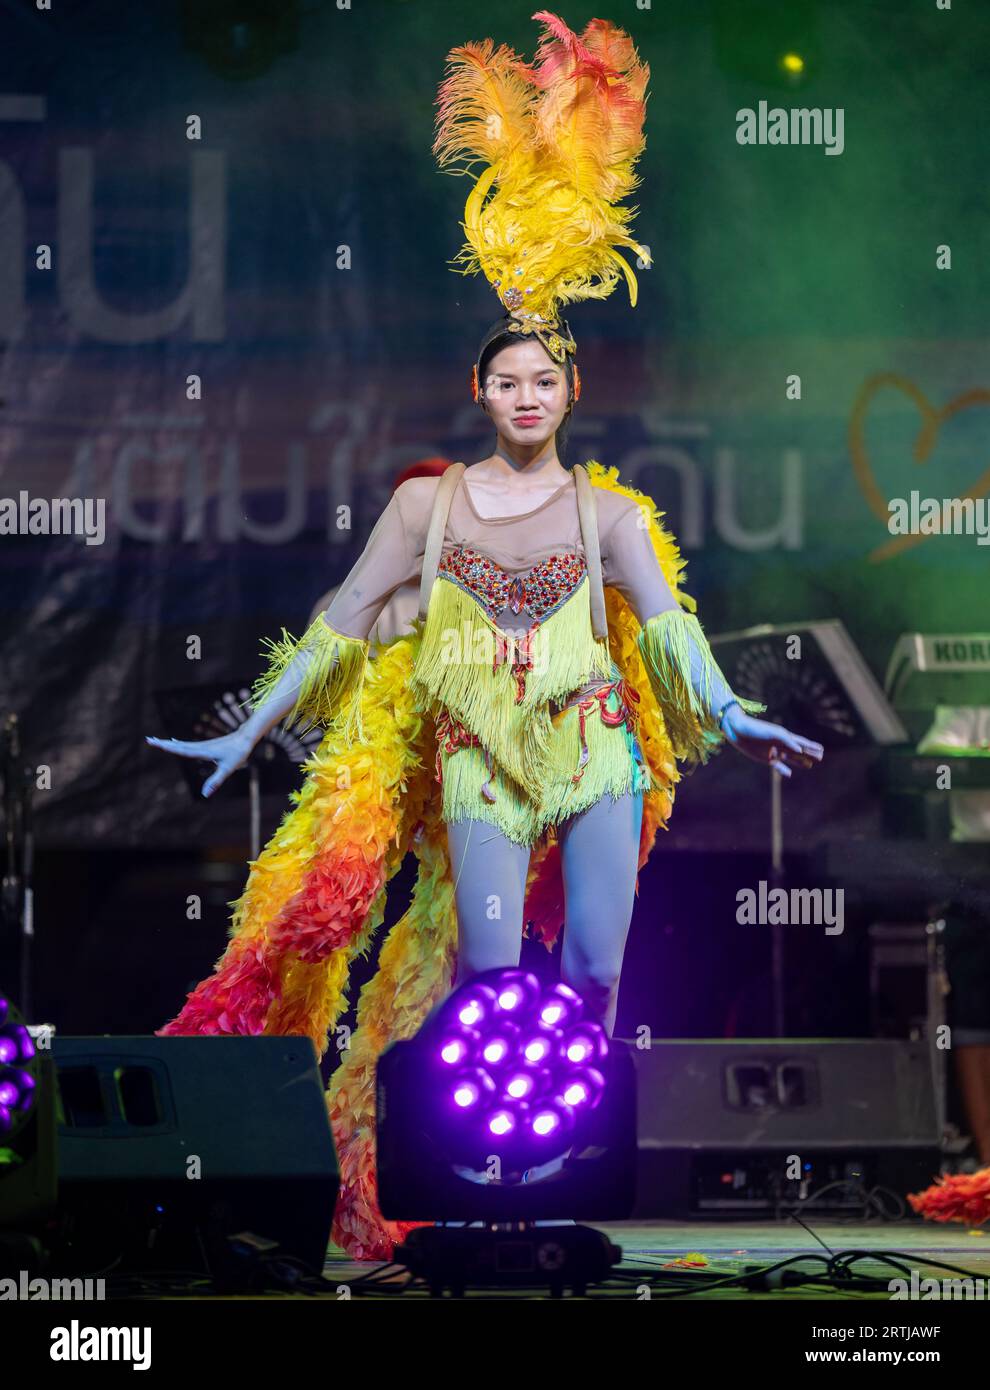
column 584, row 1088
column 502, row 1122
column 538, row 1050
column 521, row 1085
column 17, row 1083
column 454, row 1051
column 500, row 1047
column 585, row 1045
column 515, row 1068
column 471, row 1087
column 477, row 1007
column 560, row 1007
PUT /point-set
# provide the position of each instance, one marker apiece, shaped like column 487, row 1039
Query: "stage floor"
column 727, row 1248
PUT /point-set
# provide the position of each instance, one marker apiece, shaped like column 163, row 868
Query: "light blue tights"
column 599, row 851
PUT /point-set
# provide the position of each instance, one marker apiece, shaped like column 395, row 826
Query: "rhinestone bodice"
column 541, row 591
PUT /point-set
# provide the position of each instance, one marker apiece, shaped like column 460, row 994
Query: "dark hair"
column 507, row 339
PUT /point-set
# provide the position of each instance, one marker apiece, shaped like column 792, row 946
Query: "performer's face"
column 523, row 380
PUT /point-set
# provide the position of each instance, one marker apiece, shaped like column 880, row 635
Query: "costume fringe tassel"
column 668, row 642
column 460, row 647
column 332, row 677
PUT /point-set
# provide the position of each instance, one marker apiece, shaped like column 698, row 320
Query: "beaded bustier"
column 541, row 591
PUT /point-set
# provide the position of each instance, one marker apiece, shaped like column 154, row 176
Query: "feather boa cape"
column 315, row 896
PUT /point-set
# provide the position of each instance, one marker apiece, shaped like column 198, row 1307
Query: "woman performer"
column 527, row 729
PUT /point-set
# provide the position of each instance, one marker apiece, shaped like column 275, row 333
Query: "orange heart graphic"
column 931, row 420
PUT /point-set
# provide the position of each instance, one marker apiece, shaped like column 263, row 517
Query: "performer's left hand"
column 769, row 743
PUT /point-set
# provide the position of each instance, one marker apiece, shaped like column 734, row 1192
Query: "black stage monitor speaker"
column 168, row 1145
column 756, row 1128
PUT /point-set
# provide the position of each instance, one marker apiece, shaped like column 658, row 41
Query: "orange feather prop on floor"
column 961, row 1197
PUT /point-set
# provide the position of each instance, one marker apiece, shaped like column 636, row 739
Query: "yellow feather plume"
column 559, row 141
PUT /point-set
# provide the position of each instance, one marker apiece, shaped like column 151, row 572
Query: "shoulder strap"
column 588, row 514
column 446, row 488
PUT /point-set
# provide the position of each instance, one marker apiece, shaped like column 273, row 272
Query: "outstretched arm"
column 317, row 678
column 696, row 700
column 699, row 706
column 700, row 709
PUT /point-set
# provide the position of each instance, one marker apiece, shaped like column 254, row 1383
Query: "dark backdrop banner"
column 227, row 320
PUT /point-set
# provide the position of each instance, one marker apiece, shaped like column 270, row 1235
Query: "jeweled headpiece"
column 558, row 140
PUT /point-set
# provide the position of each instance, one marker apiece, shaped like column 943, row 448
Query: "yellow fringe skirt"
column 594, row 752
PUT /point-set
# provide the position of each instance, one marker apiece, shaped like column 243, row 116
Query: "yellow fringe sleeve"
column 677, row 656
column 330, row 693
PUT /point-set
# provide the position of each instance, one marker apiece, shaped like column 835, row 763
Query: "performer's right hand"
column 229, row 752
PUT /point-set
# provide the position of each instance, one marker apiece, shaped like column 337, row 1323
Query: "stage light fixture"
column 28, row 1172
column 18, row 1064
column 513, row 1069
column 513, row 1111
column 510, row 1103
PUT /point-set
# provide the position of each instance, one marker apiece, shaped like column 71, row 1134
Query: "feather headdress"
column 558, row 141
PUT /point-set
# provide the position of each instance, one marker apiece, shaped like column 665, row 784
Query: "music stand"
column 827, row 694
